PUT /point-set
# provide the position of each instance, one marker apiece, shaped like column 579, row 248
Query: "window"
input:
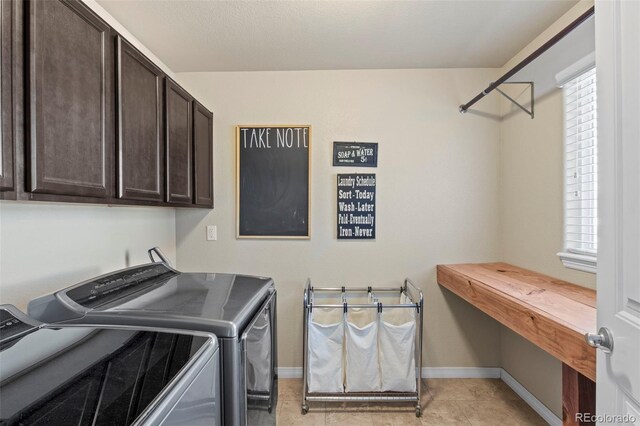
column 581, row 173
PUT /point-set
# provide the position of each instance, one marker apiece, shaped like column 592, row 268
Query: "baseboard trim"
column 465, row 373
column 461, row 372
column 530, row 399
column 427, row 372
column 290, row 372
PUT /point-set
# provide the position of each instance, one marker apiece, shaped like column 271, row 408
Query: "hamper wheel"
column 418, row 412
column 305, row 409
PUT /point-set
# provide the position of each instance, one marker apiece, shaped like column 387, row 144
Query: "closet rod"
column 526, row 61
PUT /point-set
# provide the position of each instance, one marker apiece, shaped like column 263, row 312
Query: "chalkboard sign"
column 356, row 206
column 272, row 181
column 355, row 154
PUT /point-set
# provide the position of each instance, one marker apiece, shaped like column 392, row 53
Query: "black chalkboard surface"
column 272, row 182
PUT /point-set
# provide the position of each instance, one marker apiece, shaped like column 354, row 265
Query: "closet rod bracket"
column 518, row 104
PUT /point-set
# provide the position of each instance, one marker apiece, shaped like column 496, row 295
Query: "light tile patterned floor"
column 468, row 402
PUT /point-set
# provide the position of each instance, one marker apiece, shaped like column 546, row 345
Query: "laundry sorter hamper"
column 362, row 344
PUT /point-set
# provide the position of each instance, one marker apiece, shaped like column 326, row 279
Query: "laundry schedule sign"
column 356, row 206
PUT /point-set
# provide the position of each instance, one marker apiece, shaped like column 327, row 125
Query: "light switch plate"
column 212, row 232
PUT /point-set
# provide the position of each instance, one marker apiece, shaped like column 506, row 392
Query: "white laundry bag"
column 259, row 355
column 397, row 336
column 326, row 337
column 362, row 365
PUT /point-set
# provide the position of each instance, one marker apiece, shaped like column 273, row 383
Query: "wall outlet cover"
column 212, row 232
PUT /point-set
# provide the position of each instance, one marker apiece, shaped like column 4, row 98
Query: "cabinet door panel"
column 203, row 155
column 179, row 146
column 6, row 100
column 140, row 141
column 70, row 94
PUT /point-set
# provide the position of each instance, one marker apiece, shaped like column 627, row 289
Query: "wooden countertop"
column 551, row 313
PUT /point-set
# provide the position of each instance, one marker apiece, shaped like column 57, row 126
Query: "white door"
column 618, row 76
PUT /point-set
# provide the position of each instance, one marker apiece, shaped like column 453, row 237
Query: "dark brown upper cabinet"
column 6, row 98
column 86, row 117
column 70, row 100
column 178, row 133
column 140, row 142
column 202, row 155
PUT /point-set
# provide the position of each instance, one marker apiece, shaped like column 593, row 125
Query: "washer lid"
column 155, row 295
column 14, row 323
column 89, row 375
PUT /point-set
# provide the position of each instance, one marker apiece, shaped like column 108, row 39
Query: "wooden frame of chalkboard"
column 273, row 181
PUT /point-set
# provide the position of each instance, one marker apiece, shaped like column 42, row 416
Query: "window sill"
column 579, row 262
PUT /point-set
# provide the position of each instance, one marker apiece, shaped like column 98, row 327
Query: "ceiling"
column 212, row 35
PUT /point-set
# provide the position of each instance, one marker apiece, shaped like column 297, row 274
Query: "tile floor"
column 446, row 402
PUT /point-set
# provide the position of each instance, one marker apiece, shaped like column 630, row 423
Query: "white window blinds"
column 581, row 165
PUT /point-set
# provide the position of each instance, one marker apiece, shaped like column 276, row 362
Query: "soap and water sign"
column 355, row 154
column 356, row 206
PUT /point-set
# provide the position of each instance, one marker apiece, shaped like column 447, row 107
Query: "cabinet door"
column 203, row 155
column 179, row 146
column 140, row 142
column 6, row 100
column 70, row 96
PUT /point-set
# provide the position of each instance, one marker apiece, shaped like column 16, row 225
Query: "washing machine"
column 99, row 375
column 239, row 309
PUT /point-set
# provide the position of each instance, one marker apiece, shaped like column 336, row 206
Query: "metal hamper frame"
column 417, row 302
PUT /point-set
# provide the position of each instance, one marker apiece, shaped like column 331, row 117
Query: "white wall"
column 46, row 246
column 531, row 217
column 531, row 207
column 531, row 212
column 531, row 227
column 437, row 193
column 124, row 32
